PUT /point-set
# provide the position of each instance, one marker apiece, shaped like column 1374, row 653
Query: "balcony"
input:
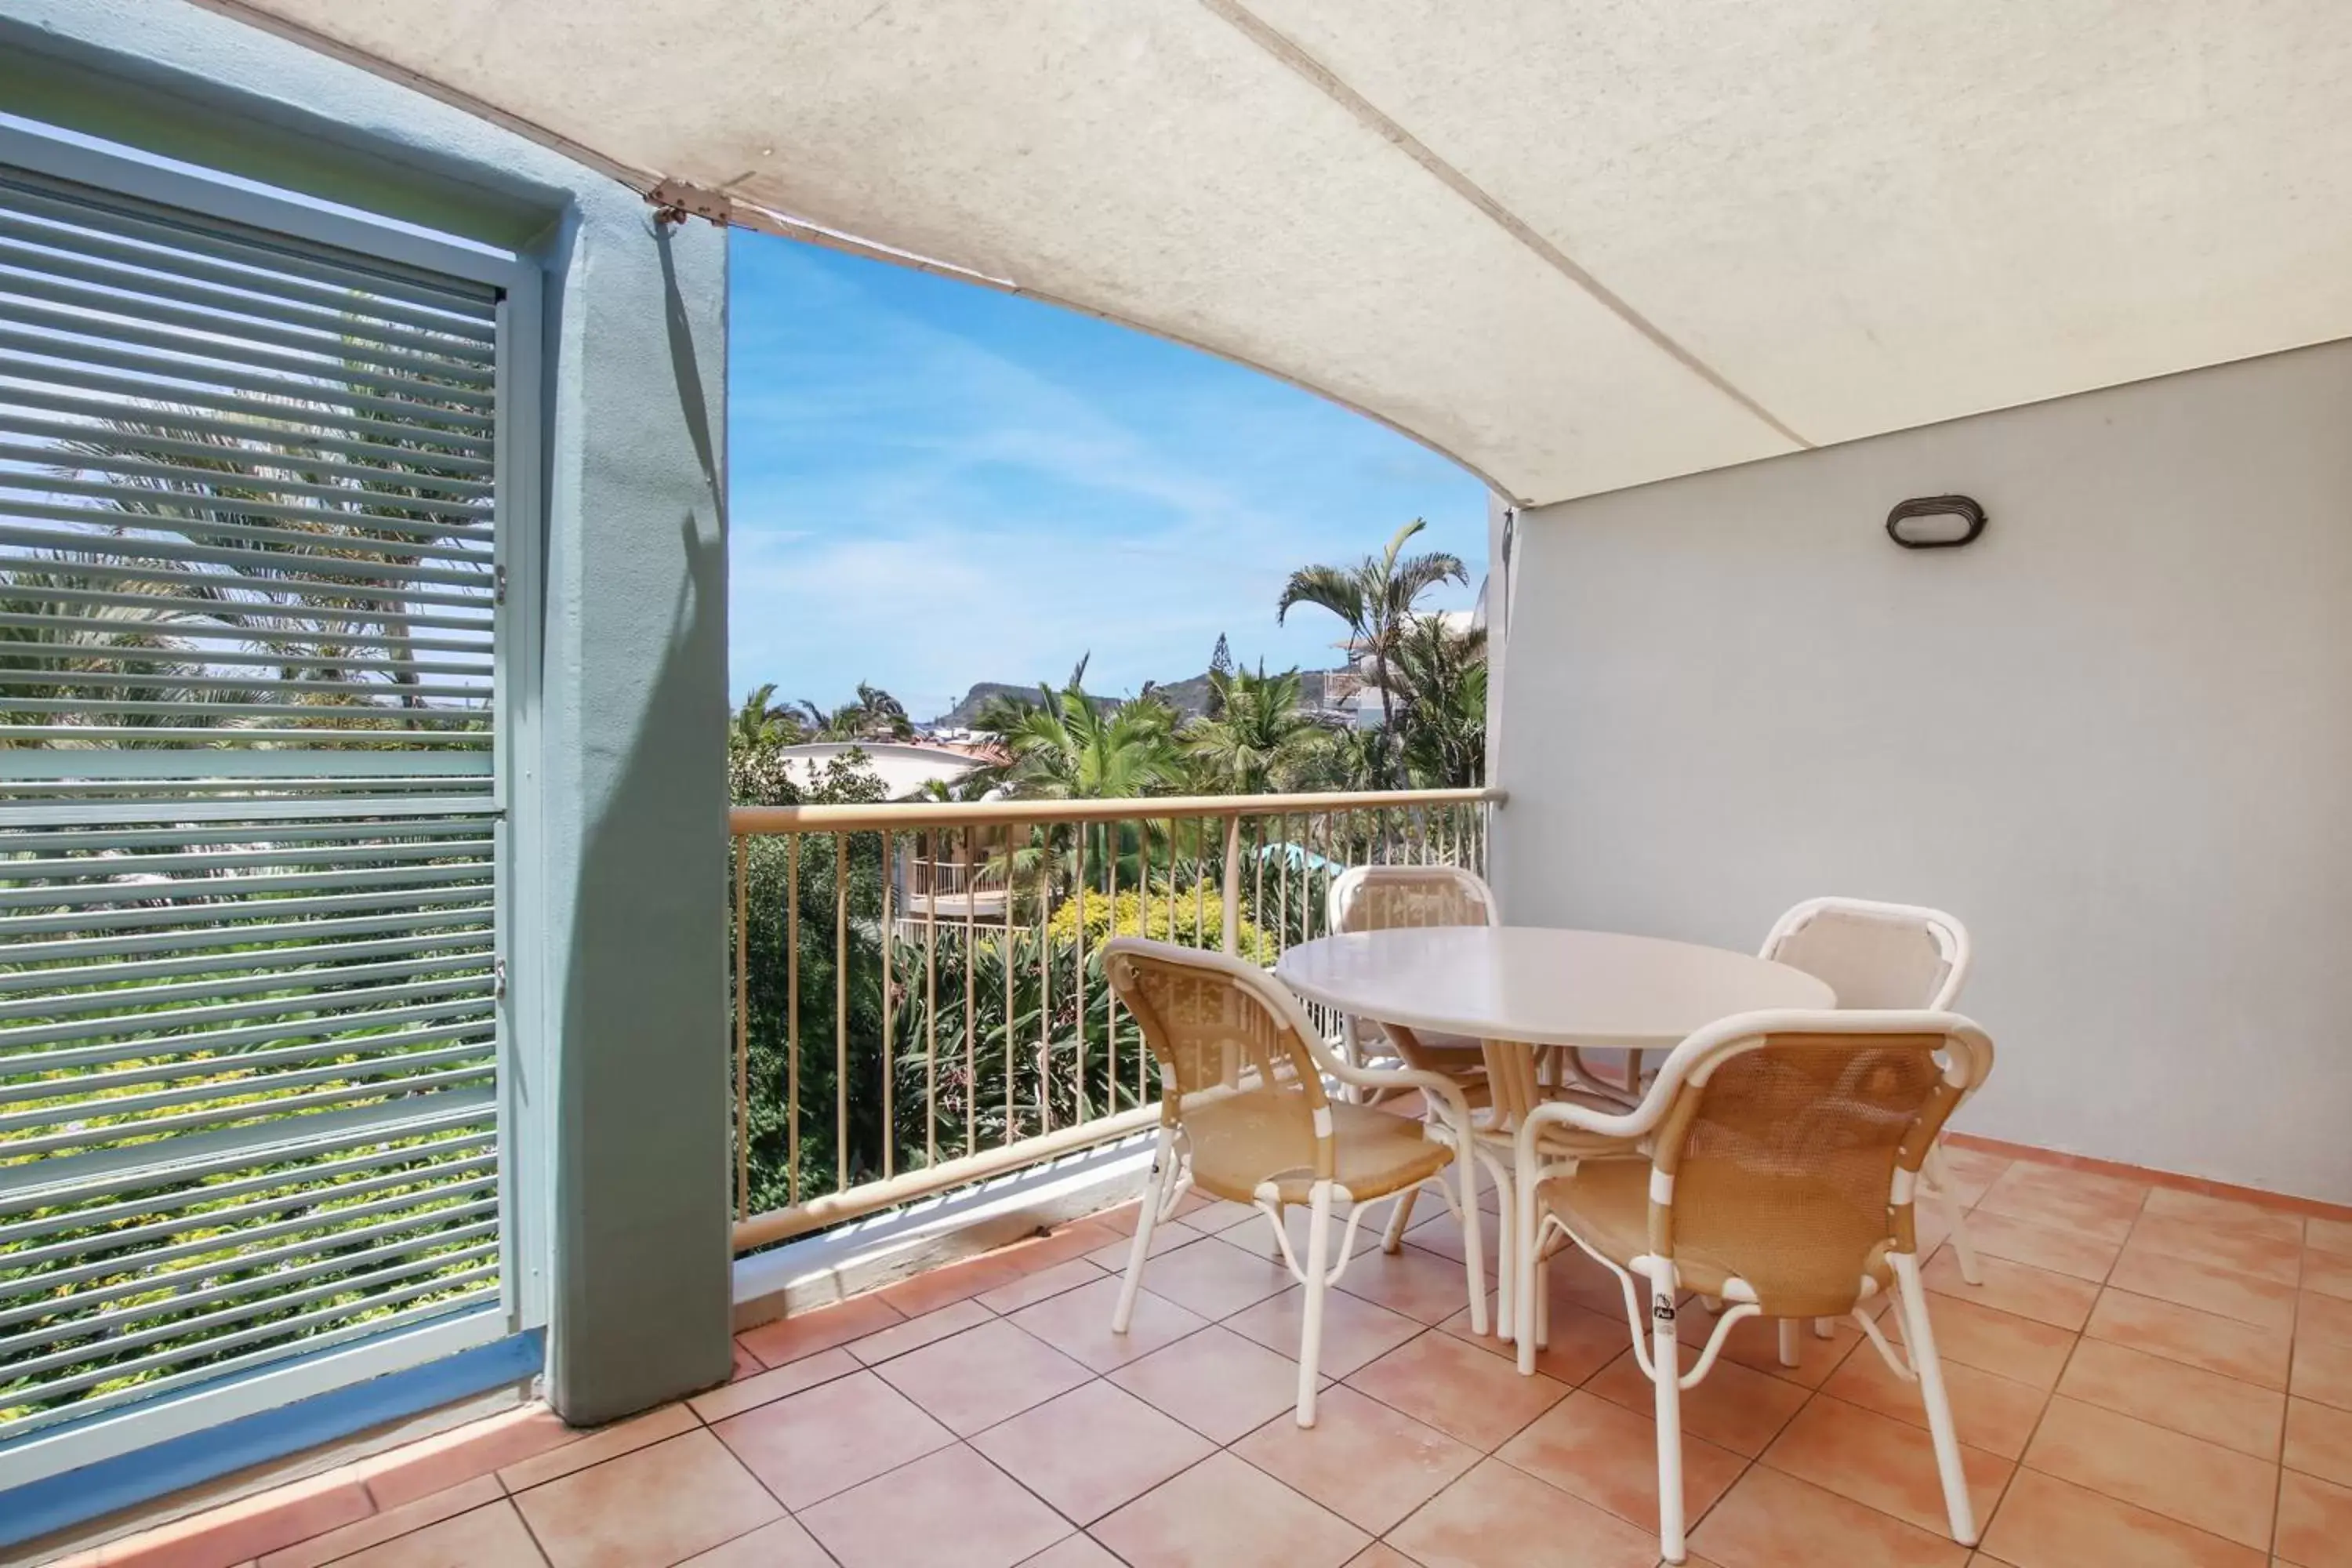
column 2121, row 1378
column 465, row 1122
column 893, row 1041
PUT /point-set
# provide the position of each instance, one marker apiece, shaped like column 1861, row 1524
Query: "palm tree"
column 880, row 716
column 1444, row 675
column 42, row 663
column 1256, row 738
column 875, row 715
column 1377, row 599
column 1345, row 759
column 1069, row 745
column 205, row 626
column 761, row 722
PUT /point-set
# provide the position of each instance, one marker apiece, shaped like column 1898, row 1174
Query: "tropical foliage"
column 1441, row 729
column 1190, row 916
column 1377, row 599
column 1069, row 745
column 1256, row 738
column 936, row 1038
column 761, row 721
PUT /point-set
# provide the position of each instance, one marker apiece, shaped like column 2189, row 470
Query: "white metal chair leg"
column 1522, row 1224
column 1155, row 1192
column 1311, row 1335
column 1920, row 1337
column 1824, row 1329
column 1791, row 1352
column 1665, row 1369
column 1539, row 1286
column 1948, row 1201
column 1474, row 1249
column 1399, row 1216
column 1507, row 1267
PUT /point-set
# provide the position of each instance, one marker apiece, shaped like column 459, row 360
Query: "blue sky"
column 934, row 483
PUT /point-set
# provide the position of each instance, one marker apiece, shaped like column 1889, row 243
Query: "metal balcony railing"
column 897, row 1034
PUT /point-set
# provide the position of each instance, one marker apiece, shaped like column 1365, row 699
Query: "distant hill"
column 966, row 713
column 1319, row 688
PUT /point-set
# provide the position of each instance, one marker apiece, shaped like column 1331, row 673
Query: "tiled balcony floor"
column 2147, row 1378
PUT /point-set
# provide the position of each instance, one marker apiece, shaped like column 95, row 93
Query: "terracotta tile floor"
column 2147, row 1378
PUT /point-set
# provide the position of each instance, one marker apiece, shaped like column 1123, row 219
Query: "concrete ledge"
column 864, row 1255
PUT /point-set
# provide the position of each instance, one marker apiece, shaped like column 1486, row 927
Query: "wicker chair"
column 1384, row 898
column 1887, row 955
column 1783, row 1149
column 1244, row 1115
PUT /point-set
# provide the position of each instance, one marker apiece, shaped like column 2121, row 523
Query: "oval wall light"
column 1934, row 522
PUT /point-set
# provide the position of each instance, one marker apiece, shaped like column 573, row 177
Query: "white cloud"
column 917, row 508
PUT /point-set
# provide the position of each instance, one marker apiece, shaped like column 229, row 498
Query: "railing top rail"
column 751, row 821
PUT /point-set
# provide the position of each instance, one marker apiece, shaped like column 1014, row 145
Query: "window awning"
column 1576, row 247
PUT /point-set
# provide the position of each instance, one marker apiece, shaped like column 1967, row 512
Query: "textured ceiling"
column 1575, row 244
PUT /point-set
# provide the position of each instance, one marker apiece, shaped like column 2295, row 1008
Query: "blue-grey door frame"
column 617, row 815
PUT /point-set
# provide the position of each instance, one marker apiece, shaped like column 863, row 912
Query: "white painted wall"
column 2114, row 736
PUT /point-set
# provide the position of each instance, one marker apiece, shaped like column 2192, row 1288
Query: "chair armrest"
column 1629, row 1125
column 1444, row 1089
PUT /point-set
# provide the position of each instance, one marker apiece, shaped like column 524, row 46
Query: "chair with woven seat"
column 1782, row 1151
column 1244, row 1116
column 1384, row 898
column 1876, row 954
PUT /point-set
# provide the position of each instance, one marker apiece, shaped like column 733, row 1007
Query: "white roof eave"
column 1575, row 247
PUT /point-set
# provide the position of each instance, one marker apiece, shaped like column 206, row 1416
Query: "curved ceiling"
column 1574, row 244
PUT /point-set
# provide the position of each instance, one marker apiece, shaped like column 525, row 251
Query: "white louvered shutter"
column 250, row 811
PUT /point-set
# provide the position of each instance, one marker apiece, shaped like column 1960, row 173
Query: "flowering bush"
column 1197, row 920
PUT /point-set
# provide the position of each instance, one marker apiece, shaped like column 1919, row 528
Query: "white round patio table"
column 1515, row 987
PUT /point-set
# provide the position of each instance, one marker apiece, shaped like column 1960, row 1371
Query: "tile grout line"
column 2050, row 1395
column 2278, row 1462
column 1420, row 1329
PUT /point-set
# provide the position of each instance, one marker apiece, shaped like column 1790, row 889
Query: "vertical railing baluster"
column 971, row 990
column 793, row 1017
column 1230, row 894
column 1172, row 936
column 1312, row 832
column 1113, row 833
column 1257, row 885
column 1142, row 928
column 1200, row 879
column 1011, row 1067
column 930, row 846
column 1281, row 876
column 889, row 1011
column 1079, row 880
column 742, row 1029
column 840, row 1010
column 1044, row 981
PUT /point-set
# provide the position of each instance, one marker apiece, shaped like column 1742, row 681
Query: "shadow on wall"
column 643, row 1243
